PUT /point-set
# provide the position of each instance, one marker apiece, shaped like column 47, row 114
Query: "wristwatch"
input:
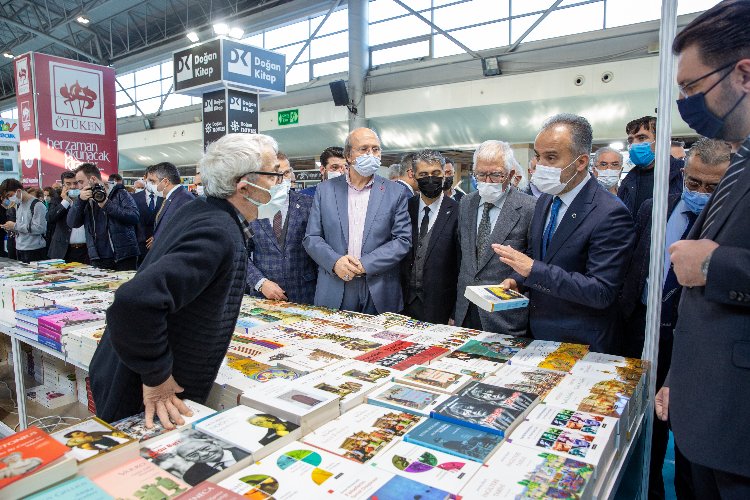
column 704, row 266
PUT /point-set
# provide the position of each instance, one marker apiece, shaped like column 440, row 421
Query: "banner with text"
column 228, row 112
column 72, row 117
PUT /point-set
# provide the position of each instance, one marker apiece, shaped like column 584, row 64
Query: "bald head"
column 359, row 142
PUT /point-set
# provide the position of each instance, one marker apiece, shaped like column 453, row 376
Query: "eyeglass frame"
column 708, row 187
column 498, row 180
column 279, row 175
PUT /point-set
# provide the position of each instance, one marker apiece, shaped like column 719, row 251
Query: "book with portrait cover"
column 135, row 426
column 407, row 398
column 401, row 355
column 192, row 456
column 138, row 479
column 91, row 439
column 518, row 472
column 487, row 407
column 439, row 380
column 494, row 298
column 360, row 434
column 454, row 439
column 31, row 460
column 251, row 430
column 428, row 466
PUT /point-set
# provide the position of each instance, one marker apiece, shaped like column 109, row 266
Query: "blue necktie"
column 151, row 204
column 551, row 225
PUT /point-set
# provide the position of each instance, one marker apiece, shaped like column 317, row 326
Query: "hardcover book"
column 407, row 398
column 192, row 456
column 454, row 439
column 609, row 398
column 362, row 432
column 494, row 298
column 253, row 431
column 518, row 472
column 431, row 467
column 139, row 479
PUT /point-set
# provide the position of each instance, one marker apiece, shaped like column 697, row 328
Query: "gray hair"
column 348, row 142
column 431, row 157
column 581, row 134
column 230, row 158
column 606, row 149
column 710, row 151
column 407, row 162
column 492, row 151
column 393, row 171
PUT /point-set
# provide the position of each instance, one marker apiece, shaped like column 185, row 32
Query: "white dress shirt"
column 566, row 200
column 494, row 211
column 432, row 216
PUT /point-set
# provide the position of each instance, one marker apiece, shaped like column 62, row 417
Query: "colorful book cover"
column 91, row 438
column 567, row 442
column 208, row 491
column 70, row 320
column 406, row 398
column 585, row 423
column 399, row 488
column 401, row 355
column 300, row 471
column 518, row 472
column 495, row 298
column 360, row 434
column 528, row 379
column 139, row 479
column 428, row 466
column 32, row 315
column 79, row 488
column 135, row 426
column 609, row 398
column 191, row 455
column 558, row 356
column 26, row 452
column 435, row 379
column 454, row 439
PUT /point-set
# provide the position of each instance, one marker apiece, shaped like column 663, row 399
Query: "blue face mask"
column 641, row 154
column 367, row 165
column 694, row 200
column 74, row 193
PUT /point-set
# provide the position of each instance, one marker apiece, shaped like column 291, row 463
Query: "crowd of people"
column 571, row 232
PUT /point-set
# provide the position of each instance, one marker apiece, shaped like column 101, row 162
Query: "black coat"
column 441, row 265
column 177, row 315
column 57, row 214
column 180, row 197
column 628, row 191
column 145, row 228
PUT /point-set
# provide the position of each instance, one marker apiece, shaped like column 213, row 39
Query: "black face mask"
column 430, row 186
column 447, row 183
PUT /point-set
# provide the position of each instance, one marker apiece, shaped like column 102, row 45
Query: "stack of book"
column 135, row 426
column 53, row 328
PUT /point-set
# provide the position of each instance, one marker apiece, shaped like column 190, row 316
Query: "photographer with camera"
column 110, row 217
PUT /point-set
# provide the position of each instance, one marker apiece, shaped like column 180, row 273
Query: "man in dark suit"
column 581, row 242
column 402, row 173
column 707, row 393
column 448, row 189
column 495, row 213
column 430, row 269
column 165, row 178
column 149, row 202
column 66, row 243
column 279, row 267
column 332, row 165
column 706, row 163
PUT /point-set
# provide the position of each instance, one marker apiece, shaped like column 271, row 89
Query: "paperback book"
column 439, row 380
column 407, row 398
column 208, row 491
column 139, row 479
column 494, row 298
column 401, row 355
column 352, row 391
column 80, row 488
column 609, row 398
column 558, row 356
column 585, row 423
column 135, row 426
column 363, row 432
column 93, row 438
column 454, row 439
column 528, row 379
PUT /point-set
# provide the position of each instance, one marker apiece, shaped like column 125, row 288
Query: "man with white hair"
column 608, row 168
column 169, row 327
column 495, row 213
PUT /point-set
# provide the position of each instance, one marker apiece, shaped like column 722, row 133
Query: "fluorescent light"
column 193, row 37
column 616, row 145
column 83, row 19
column 236, row 33
column 221, row 29
column 8, row 55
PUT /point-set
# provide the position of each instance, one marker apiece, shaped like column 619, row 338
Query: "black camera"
column 98, row 193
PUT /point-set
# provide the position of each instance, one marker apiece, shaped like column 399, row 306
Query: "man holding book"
column 169, row 327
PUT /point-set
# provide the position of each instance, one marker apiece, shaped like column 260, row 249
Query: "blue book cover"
column 81, row 488
column 457, row 440
column 32, row 315
column 49, row 343
column 399, row 488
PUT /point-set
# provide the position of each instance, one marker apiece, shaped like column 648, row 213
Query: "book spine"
column 465, row 423
column 49, row 343
column 54, row 336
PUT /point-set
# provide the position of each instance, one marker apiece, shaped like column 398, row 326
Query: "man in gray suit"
column 494, row 213
column 358, row 232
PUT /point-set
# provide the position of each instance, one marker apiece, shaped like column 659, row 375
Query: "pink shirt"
column 358, row 199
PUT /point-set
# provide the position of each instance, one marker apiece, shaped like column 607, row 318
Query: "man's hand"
column 9, row 226
column 149, row 242
column 662, row 404
column 360, row 268
column 451, row 322
column 509, row 284
column 273, row 291
column 85, row 194
column 518, row 261
column 687, row 257
column 64, row 194
column 163, row 402
column 347, row 267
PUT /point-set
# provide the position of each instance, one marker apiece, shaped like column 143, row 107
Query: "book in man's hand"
column 494, row 298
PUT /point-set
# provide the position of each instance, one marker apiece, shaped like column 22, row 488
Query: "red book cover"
column 207, row 490
column 26, row 452
column 401, row 355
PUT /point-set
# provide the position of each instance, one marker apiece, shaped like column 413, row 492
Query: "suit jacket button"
column 732, row 295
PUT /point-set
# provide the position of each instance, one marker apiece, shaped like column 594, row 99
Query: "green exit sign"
column 289, row 117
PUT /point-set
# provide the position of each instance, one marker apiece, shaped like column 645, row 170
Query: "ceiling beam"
column 533, row 26
column 51, row 38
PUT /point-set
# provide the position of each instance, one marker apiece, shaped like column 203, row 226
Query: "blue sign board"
column 251, row 67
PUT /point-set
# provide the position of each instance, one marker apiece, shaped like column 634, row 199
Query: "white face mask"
column 151, row 188
column 138, row 190
column 279, row 198
column 608, row 178
column 367, row 165
column 490, row 192
column 200, row 190
column 547, row 179
column 333, row 175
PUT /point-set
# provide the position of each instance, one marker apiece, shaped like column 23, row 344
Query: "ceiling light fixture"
column 221, row 29
column 616, row 145
column 83, row 19
column 193, row 37
column 8, row 55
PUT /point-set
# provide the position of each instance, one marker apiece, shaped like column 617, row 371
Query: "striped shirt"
column 358, row 200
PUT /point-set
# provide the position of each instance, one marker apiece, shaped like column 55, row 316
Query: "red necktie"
column 277, row 227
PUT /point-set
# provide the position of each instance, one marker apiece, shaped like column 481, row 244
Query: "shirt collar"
column 568, row 197
column 172, row 190
column 434, row 206
column 247, row 231
column 367, row 186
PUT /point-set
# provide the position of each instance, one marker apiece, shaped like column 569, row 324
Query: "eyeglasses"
column 278, row 175
column 612, row 164
column 492, row 177
column 368, row 149
column 695, row 185
column 685, row 88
